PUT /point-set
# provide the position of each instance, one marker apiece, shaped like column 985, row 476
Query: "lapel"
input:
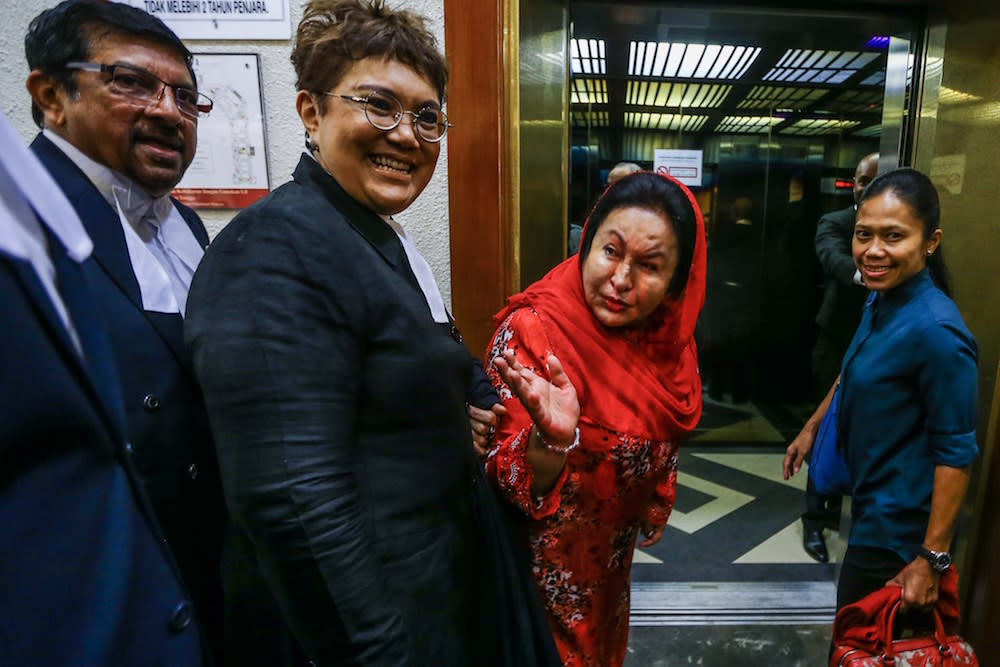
column 95, row 370
column 193, row 222
column 110, row 251
column 366, row 223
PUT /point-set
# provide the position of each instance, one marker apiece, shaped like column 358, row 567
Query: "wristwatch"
column 939, row 560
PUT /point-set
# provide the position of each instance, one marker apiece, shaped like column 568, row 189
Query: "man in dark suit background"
column 115, row 95
column 84, row 574
column 839, row 314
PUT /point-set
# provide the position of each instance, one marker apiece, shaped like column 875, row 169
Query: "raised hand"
column 552, row 405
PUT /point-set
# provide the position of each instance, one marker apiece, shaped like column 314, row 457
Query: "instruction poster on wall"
column 222, row 19
column 230, row 167
column 684, row 165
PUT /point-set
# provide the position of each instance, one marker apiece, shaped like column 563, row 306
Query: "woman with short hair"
column 335, row 381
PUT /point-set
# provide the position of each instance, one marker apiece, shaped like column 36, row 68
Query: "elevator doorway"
column 773, row 110
column 777, row 108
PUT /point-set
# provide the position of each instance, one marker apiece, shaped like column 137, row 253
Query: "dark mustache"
column 165, row 134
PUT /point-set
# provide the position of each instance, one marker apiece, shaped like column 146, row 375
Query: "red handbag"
column 873, row 645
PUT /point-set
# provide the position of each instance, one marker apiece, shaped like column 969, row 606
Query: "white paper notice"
column 222, row 19
column 230, row 167
column 684, row 165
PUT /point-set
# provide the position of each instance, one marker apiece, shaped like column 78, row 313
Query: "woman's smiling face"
column 384, row 171
column 629, row 267
column 889, row 245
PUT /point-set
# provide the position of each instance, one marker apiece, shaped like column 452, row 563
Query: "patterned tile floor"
column 736, row 518
column 729, row 646
column 729, row 583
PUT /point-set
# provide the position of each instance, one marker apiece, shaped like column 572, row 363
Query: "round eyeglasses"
column 385, row 112
column 138, row 84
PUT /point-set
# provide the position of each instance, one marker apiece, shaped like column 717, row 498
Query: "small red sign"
column 219, row 197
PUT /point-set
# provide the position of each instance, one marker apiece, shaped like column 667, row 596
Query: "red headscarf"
column 642, row 381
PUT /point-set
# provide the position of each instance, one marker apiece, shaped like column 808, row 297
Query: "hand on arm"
column 799, row 448
column 554, row 410
column 484, row 424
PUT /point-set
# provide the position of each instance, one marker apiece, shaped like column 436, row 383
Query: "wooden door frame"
column 482, row 196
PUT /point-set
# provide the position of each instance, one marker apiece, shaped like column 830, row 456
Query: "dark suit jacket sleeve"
column 833, row 246
column 275, row 321
column 481, row 391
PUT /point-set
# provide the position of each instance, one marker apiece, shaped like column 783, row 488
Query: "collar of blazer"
column 365, row 222
column 105, row 229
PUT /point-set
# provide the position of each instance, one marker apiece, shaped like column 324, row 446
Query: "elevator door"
column 781, row 107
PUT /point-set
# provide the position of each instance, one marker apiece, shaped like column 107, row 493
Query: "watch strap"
column 940, row 560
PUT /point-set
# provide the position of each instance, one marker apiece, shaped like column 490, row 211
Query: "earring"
column 930, row 252
column 311, row 145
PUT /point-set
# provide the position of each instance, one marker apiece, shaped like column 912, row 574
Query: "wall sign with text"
column 684, row 165
column 230, row 167
column 222, row 19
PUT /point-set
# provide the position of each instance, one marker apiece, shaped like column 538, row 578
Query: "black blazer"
column 167, row 424
column 840, row 312
column 84, row 574
column 338, row 410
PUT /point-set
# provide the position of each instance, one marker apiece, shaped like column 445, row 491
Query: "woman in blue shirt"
column 907, row 406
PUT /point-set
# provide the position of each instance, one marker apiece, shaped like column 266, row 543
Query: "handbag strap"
column 890, row 621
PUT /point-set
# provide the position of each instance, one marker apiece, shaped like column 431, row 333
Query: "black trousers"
column 821, row 511
column 256, row 635
column 864, row 571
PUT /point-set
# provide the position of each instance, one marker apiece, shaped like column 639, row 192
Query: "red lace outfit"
column 639, row 392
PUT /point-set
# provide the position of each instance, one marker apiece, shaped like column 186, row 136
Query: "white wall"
column 426, row 220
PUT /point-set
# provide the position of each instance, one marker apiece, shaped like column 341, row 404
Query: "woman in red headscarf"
column 597, row 368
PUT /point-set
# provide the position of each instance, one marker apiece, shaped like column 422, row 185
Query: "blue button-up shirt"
column 907, row 405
